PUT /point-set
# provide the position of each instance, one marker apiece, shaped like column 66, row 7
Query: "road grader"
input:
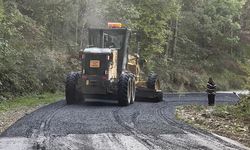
column 109, row 70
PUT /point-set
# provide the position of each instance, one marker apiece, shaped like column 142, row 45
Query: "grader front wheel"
column 153, row 82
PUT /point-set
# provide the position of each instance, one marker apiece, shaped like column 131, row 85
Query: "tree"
column 245, row 16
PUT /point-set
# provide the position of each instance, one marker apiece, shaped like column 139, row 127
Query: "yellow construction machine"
column 109, row 70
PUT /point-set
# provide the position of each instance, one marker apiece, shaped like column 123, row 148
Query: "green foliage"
column 245, row 16
column 150, row 18
column 213, row 25
column 1, row 10
column 208, row 41
column 29, row 101
column 28, row 64
column 185, row 42
column 243, row 109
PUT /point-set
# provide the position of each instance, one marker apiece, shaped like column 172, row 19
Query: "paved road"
column 105, row 126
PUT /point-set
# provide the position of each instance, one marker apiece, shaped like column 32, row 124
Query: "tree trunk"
column 173, row 44
column 52, row 30
column 77, row 19
column 175, row 37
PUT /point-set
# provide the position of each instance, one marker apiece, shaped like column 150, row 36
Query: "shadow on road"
column 100, row 103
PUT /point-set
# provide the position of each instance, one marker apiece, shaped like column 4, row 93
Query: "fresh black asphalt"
column 105, row 125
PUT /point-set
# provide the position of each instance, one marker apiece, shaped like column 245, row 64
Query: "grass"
column 231, row 121
column 30, row 101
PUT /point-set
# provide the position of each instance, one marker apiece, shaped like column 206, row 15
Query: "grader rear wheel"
column 73, row 96
column 124, row 89
column 133, row 89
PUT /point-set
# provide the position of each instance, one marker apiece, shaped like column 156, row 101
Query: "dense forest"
column 184, row 41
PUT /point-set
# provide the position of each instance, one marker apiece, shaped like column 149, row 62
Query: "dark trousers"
column 211, row 99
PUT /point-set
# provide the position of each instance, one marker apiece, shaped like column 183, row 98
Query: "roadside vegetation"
column 30, row 101
column 231, row 121
column 185, row 42
column 12, row 110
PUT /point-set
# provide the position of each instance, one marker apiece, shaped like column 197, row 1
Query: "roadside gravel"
column 12, row 110
column 9, row 117
column 215, row 120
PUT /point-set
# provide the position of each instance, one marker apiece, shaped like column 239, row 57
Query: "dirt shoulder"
column 228, row 121
column 13, row 110
column 9, row 117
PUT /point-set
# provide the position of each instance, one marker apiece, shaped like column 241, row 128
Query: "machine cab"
column 99, row 62
column 113, row 39
column 104, row 60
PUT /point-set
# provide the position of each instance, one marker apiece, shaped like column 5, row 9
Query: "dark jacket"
column 211, row 87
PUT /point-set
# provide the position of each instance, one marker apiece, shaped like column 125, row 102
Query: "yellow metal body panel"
column 133, row 66
column 113, row 65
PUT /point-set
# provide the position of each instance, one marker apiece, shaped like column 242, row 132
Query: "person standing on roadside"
column 211, row 91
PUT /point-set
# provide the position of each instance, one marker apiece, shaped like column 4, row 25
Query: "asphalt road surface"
column 105, row 126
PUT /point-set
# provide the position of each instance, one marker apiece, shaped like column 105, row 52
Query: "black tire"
column 124, row 89
column 73, row 96
column 133, row 89
column 153, row 82
column 159, row 97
